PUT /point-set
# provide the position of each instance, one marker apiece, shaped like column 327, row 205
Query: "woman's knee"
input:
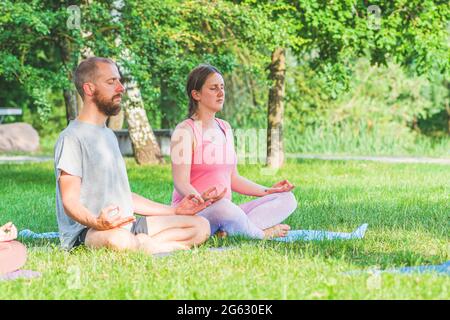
column 221, row 210
column 288, row 199
column 19, row 249
column 13, row 256
column 228, row 210
column 221, row 204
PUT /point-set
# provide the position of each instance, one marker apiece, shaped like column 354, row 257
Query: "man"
column 95, row 205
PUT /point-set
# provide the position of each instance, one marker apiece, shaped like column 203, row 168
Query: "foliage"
column 164, row 40
column 29, row 54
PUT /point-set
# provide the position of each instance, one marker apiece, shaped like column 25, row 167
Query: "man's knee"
column 203, row 228
column 122, row 240
column 113, row 239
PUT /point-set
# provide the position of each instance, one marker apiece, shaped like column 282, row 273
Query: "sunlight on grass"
column 406, row 207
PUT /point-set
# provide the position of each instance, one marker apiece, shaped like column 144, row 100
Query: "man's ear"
column 88, row 89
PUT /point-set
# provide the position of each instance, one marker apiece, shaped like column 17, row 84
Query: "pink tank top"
column 213, row 162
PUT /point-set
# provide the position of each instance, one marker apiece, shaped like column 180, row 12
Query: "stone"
column 18, row 137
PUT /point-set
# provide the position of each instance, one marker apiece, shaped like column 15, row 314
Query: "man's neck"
column 91, row 115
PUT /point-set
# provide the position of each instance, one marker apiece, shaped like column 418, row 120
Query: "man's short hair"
column 86, row 72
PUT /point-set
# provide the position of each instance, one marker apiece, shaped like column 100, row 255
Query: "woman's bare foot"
column 221, row 234
column 279, row 230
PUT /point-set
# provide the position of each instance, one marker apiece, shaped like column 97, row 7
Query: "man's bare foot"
column 221, row 234
column 280, row 230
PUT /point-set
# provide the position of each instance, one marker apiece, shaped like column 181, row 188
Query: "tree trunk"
column 116, row 122
column 145, row 147
column 447, row 106
column 70, row 95
column 70, row 99
column 275, row 152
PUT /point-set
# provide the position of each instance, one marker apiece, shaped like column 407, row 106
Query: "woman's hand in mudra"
column 8, row 232
column 282, row 186
column 212, row 195
column 191, row 204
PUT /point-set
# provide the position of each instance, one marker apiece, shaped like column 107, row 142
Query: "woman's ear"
column 195, row 95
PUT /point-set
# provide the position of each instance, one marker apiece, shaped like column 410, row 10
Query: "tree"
column 275, row 153
column 145, row 146
column 169, row 38
column 331, row 35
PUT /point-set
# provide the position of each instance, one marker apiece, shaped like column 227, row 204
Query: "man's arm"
column 70, row 187
column 146, row 207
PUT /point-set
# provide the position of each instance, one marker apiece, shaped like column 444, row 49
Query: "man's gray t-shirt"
column 92, row 153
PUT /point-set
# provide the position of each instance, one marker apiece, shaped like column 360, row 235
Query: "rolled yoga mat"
column 33, row 235
column 309, row 235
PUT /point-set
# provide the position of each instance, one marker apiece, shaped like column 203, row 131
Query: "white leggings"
column 250, row 218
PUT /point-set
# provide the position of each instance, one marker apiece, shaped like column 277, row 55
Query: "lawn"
column 406, row 206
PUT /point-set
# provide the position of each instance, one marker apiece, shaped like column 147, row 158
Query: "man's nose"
column 120, row 87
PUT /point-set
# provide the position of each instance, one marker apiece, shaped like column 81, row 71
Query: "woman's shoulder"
column 185, row 125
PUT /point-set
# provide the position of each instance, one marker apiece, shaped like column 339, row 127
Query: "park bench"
column 9, row 112
column 162, row 136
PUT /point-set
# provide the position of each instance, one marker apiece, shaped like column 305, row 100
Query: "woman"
column 203, row 155
column 13, row 254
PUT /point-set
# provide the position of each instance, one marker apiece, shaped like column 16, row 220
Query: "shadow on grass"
column 353, row 252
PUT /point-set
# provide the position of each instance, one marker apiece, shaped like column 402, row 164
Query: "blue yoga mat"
column 308, row 235
column 33, row 235
column 294, row 235
column 441, row 269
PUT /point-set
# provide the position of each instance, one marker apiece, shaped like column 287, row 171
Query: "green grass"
column 406, row 206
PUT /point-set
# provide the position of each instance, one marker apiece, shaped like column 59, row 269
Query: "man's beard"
column 106, row 106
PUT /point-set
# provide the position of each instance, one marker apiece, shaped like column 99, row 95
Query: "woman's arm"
column 245, row 186
column 242, row 185
column 181, row 150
